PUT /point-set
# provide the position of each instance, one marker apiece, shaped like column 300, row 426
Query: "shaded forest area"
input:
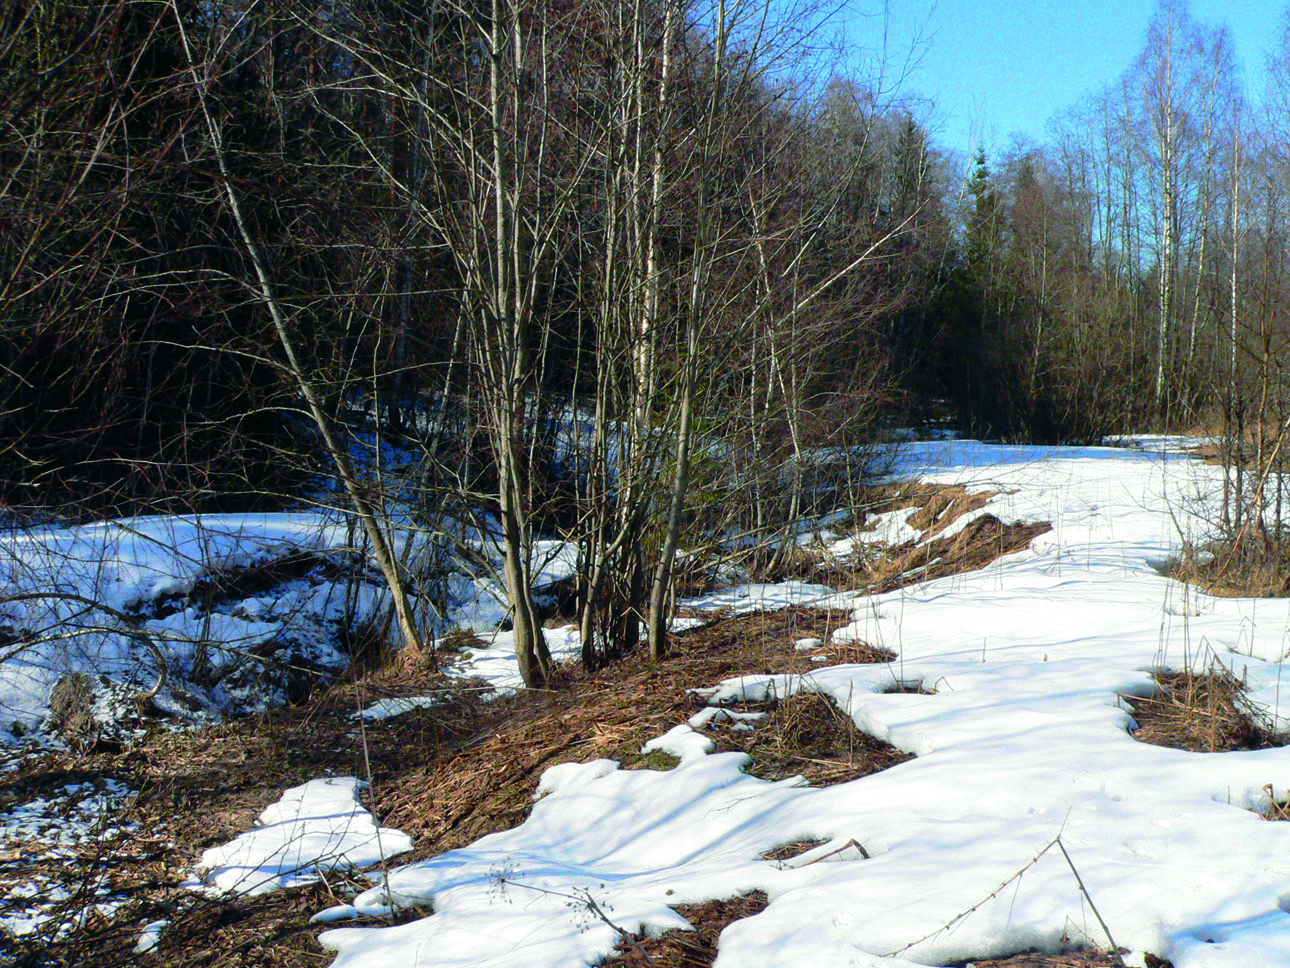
column 551, row 267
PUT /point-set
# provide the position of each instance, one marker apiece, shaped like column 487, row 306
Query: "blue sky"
column 993, row 68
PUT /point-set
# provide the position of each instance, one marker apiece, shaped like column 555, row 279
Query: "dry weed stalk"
column 1277, row 809
column 1113, row 952
column 1200, row 712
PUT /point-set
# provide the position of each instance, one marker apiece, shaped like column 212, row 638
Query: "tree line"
column 585, row 269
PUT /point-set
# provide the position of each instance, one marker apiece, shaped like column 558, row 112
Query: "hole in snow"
column 1199, row 712
column 806, row 735
column 792, row 849
column 911, row 686
column 688, row 949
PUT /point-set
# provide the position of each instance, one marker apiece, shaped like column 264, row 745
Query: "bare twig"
column 1114, row 950
column 584, row 897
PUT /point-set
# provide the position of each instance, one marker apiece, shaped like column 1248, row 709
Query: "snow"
column 316, row 827
column 150, row 936
column 50, row 847
column 757, row 597
column 394, row 706
column 65, row 590
column 884, row 528
column 1024, row 739
column 496, row 665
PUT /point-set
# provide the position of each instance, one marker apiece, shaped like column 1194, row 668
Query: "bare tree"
column 204, row 66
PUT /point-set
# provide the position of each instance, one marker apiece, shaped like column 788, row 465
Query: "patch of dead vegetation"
column 1255, row 567
column 688, row 949
column 1278, row 807
column 446, row 775
column 806, row 735
column 940, row 505
column 876, row 568
column 982, row 541
column 791, row 850
column 1198, row 712
column 935, row 554
column 1081, row 958
column 855, row 653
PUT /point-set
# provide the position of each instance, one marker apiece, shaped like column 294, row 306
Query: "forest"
column 549, row 267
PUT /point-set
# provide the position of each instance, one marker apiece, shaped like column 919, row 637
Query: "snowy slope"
column 64, row 592
column 1023, row 740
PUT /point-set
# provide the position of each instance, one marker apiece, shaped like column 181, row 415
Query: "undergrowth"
column 1200, row 712
column 806, row 735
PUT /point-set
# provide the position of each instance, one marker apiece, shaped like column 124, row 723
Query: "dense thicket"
column 579, row 258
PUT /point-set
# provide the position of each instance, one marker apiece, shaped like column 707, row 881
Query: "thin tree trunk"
column 363, row 507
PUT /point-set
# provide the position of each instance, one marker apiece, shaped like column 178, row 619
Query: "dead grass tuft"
column 790, row 850
column 688, row 949
column 1256, row 567
column 1082, row 958
column 1199, row 712
column 807, row 735
column 1279, row 808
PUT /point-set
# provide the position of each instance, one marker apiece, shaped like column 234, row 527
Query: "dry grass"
column 807, row 735
column 1199, row 712
column 1255, row 567
column 1279, row 807
column 791, row 850
column 1083, row 958
column 446, row 776
column 688, row 949
column 935, row 555
column 940, row 505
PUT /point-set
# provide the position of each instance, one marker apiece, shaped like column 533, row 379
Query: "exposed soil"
column 688, row 949
column 1199, row 712
column 807, row 735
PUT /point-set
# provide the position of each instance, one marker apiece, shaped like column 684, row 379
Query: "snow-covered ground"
column 1024, row 740
column 1028, row 801
column 314, row 828
column 84, row 599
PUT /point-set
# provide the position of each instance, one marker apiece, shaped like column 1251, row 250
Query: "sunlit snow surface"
column 316, row 827
column 1023, row 739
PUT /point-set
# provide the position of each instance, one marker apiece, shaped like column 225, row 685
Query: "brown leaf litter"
column 688, row 949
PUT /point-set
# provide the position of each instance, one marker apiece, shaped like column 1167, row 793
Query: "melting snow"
column 1023, row 739
column 315, row 827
